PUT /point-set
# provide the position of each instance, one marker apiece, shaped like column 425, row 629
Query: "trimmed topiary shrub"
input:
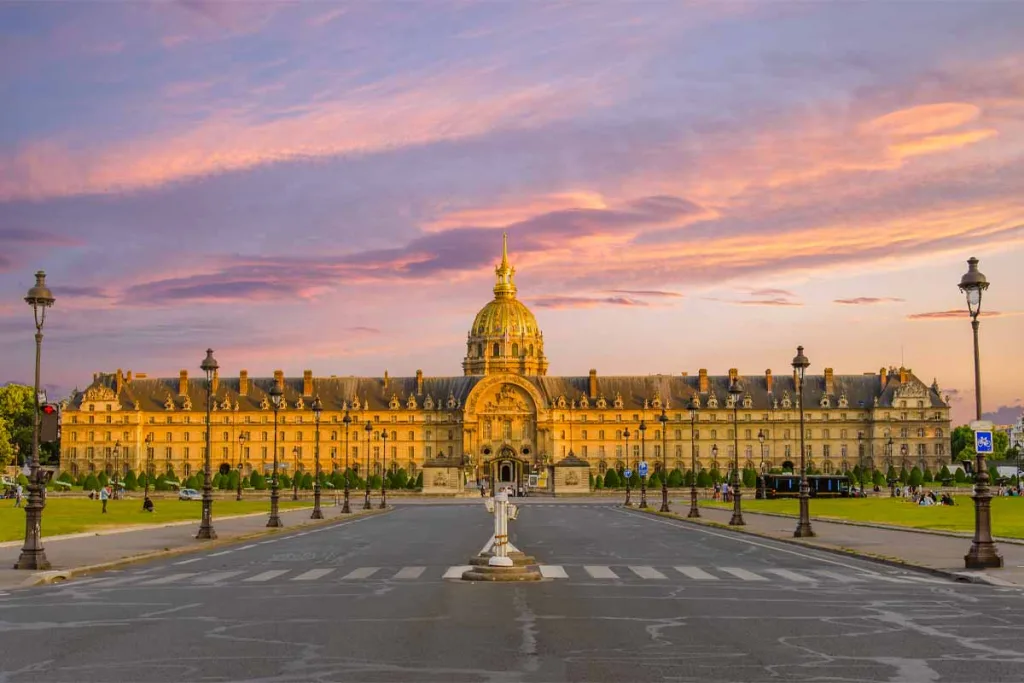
column 611, row 479
column 675, row 478
column 92, row 483
column 915, row 478
column 704, row 479
column 130, row 482
column 598, row 483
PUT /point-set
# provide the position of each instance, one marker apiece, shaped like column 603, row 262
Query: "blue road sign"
column 643, row 469
column 983, row 442
column 627, row 473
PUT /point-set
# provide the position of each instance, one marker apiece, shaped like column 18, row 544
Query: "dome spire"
column 504, row 287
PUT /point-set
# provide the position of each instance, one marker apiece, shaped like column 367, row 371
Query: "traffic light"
column 49, row 423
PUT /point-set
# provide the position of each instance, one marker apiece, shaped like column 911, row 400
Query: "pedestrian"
column 17, row 496
column 104, row 496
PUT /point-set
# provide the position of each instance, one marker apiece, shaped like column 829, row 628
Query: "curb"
column 843, row 552
column 873, row 525
column 56, row 575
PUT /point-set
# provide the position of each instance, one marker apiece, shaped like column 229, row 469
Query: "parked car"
column 189, row 494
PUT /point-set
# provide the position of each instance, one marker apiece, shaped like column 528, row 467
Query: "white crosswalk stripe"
column 743, row 574
column 215, row 577
column 647, row 573
column 267, row 576
column 456, row 571
column 696, row 573
column 841, row 578
column 792, row 576
column 361, row 573
column 313, row 574
column 406, row 573
column 599, row 572
column 170, row 578
column 553, row 571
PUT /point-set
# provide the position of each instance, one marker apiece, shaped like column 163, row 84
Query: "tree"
column 959, row 439
column 598, row 482
column 257, row 481
column 716, row 476
column 705, row 480
column 944, row 474
column 130, row 482
column 878, row 479
column 611, row 479
column 959, row 477
column 1000, row 442
column 675, row 478
column 284, row 481
column 891, row 474
column 915, row 478
column 17, row 414
column 91, row 483
column 654, row 481
column 993, row 474
column 419, row 480
column 307, row 481
column 904, row 475
column 400, row 478
column 231, row 481
column 927, row 476
column 750, row 478
column 103, row 479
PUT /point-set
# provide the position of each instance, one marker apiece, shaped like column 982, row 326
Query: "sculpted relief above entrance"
column 508, row 399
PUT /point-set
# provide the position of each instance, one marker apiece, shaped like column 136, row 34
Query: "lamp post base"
column 317, row 513
column 33, row 556
column 383, row 500
column 366, row 502
column 643, row 498
column 737, row 511
column 628, row 502
column 206, row 532
column 275, row 518
column 664, row 499
column 983, row 556
column 694, row 510
column 983, row 553
column 345, row 509
column 803, row 527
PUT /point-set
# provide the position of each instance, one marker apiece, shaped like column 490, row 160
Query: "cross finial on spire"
column 504, row 286
column 504, row 249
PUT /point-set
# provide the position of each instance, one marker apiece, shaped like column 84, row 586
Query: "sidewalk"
column 940, row 554
column 92, row 551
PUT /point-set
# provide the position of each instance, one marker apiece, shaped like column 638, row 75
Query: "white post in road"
column 500, row 557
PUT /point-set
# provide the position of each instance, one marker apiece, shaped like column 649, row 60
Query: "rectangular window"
column 584, row 435
column 583, row 451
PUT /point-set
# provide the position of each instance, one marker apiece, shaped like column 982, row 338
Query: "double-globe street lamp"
column 275, row 518
column 383, row 471
column 296, row 474
column 694, row 408
column 347, row 421
column 628, row 502
column 149, row 467
column 983, row 553
column 761, row 481
column 366, row 501
column 643, row 459
column 208, row 366
column 803, row 527
column 736, row 391
column 664, row 461
column 33, row 556
column 318, row 408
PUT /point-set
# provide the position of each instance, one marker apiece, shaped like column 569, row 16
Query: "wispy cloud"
column 955, row 314
column 646, row 292
column 868, row 300
column 584, row 301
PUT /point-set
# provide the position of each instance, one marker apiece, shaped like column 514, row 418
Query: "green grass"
column 74, row 515
column 1007, row 513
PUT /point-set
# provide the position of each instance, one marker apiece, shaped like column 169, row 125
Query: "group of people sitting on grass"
column 925, row 498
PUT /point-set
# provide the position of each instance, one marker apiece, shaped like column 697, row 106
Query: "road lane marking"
column 647, row 573
column 696, row 573
column 456, row 571
column 170, row 578
column 409, row 573
column 313, row 574
column 553, row 571
column 246, row 547
column 361, row 573
column 841, row 578
column 600, row 572
column 222, row 552
column 743, row 574
column 215, row 577
column 792, row 576
column 889, row 579
column 171, row 610
column 267, row 576
column 194, row 559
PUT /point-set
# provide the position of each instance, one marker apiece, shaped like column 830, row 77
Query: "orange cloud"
column 956, row 314
column 923, row 119
column 941, row 143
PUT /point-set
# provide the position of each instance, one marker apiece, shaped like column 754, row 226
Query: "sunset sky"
column 324, row 185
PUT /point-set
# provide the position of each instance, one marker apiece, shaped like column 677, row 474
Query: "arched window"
column 496, row 350
column 265, row 435
column 394, row 436
column 480, row 350
column 515, row 350
column 938, row 433
column 531, row 349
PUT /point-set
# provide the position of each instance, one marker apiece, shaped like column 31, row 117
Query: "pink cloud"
column 955, row 314
column 868, row 300
column 558, row 302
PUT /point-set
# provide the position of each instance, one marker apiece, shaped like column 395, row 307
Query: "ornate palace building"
column 506, row 418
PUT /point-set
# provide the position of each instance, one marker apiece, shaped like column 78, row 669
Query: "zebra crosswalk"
column 585, row 573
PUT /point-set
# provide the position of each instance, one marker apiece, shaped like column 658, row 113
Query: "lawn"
column 73, row 515
column 1007, row 513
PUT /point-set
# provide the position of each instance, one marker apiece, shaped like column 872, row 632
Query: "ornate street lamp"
column 241, row 455
column 318, row 408
column 736, row 391
column 663, row 419
column 384, row 466
column 860, row 457
column 149, row 467
column 694, row 408
column 33, row 556
column 275, row 519
column 117, row 457
column 208, row 366
column 888, row 459
column 628, row 503
column 643, row 459
column 983, row 553
column 763, row 485
column 347, row 421
column 803, row 527
column 295, row 474
column 366, row 501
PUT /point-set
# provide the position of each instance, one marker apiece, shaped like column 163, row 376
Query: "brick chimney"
column 904, row 375
column 733, row 374
column 215, row 381
column 128, row 377
column 183, row 383
column 419, row 382
column 118, row 382
column 702, row 381
column 883, row 375
column 830, row 384
column 307, row 382
column 769, row 381
column 592, row 386
column 243, row 382
column 387, row 380
column 279, row 379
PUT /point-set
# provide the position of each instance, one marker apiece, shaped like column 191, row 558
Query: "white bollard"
column 500, row 557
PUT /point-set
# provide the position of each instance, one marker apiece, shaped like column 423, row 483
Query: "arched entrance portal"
column 506, row 470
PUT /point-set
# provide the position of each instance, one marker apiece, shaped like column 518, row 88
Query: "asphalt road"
column 630, row 598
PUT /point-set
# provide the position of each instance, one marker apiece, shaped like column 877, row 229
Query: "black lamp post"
column 208, row 366
column 275, row 519
column 383, row 471
column 904, row 451
column 628, row 502
column 643, row 459
column 149, row 467
column 295, row 474
column 241, row 455
column 762, row 485
column 366, row 502
column 860, row 458
column 983, row 553
column 663, row 418
column 803, row 527
column 694, row 408
column 117, row 458
column 347, row 421
column 318, row 408
column 736, row 391
column 33, row 556
column 888, row 459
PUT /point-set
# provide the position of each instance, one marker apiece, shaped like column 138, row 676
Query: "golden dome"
column 505, row 336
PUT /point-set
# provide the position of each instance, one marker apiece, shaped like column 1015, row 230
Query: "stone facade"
column 506, row 416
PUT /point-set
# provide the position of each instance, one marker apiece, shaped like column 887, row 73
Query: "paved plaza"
column 628, row 597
